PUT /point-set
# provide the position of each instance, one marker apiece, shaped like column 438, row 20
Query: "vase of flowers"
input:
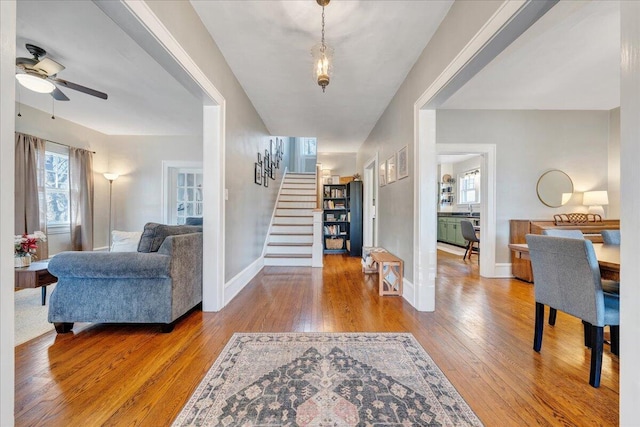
column 25, row 247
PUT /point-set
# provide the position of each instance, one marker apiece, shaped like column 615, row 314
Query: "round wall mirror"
column 554, row 188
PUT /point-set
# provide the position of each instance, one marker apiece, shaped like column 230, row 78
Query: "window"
column 189, row 194
column 309, row 147
column 469, row 187
column 57, row 188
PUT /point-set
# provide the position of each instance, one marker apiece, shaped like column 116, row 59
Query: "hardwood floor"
column 480, row 335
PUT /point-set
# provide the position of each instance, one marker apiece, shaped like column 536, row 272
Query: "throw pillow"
column 193, row 220
column 154, row 234
column 125, row 241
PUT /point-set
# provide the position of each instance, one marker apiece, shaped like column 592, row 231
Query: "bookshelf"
column 342, row 218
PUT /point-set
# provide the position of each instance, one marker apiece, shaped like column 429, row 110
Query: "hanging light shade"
column 322, row 56
column 322, row 64
column 35, row 83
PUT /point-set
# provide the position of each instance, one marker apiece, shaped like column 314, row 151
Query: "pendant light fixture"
column 322, row 56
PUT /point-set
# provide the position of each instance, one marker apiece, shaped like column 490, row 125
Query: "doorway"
column 460, row 199
column 370, row 188
column 182, row 191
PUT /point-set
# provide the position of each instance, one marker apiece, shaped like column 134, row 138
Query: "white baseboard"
column 102, row 248
column 240, row 280
column 502, row 270
column 408, row 291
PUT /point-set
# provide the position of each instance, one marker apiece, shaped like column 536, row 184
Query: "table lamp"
column 595, row 200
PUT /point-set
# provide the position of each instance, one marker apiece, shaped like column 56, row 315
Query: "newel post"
column 317, row 248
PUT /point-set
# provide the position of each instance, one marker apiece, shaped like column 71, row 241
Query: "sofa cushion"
column 125, row 241
column 154, row 234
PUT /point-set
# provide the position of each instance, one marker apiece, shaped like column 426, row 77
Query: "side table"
column 35, row 276
column 390, row 272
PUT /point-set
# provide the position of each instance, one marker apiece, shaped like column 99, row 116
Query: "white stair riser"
column 298, row 220
column 295, row 212
column 308, row 205
column 297, row 192
column 289, row 250
column 292, row 229
column 290, row 238
column 299, row 186
column 288, row 262
column 297, row 198
column 288, row 180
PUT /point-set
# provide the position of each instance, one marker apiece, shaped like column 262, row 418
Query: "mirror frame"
column 541, row 181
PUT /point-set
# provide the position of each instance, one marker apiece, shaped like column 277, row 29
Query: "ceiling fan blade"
column 58, row 95
column 80, row 88
column 49, row 67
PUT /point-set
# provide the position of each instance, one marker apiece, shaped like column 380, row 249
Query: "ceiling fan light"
column 35, row 83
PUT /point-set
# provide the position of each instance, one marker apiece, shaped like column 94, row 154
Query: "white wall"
column 248, row 210
column 613, row 210
column 39, row 123
column 137, row 192
column 343, row 164
column 528, row 144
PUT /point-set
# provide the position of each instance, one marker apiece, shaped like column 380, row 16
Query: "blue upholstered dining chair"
column 566, row 277
column 569, row 234
column 469, row 234
column 611, row 237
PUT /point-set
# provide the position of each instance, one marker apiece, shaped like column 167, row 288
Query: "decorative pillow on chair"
column 125, row 241
column 154, row 234
column 193, row 220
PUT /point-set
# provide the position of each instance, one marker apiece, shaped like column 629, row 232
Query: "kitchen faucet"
column 470, row 208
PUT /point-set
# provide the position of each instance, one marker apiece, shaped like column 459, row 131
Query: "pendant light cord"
column 323, row 45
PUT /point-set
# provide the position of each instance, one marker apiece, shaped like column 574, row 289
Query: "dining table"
column 608, row 257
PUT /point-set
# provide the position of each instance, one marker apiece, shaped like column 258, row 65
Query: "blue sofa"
column 157, row 284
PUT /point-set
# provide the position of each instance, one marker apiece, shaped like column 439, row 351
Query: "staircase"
column 291, row 235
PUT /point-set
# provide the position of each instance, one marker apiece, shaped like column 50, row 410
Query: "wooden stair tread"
column 291, row 234
column 284, row 256
column 290, row 244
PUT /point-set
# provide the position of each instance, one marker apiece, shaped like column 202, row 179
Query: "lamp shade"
column 111, row 176
column 595, row 198
column 35, row 83
column 326, row 173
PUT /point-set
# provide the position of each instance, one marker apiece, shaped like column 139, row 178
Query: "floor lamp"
column 110, row 177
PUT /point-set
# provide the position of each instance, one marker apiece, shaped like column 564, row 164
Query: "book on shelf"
column 328, row 204
column 332, row 230
column 335, row 193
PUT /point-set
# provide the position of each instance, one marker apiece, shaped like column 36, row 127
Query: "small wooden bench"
column 390, row 272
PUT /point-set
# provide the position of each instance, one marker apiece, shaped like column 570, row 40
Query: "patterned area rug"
column 356, row 379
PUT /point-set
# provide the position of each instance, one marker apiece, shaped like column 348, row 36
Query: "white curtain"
column 30, row 197
column 81, row 198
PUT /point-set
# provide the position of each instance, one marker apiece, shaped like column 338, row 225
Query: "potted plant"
column 25, row 248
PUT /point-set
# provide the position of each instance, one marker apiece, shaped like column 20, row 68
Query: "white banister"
column 317, row 248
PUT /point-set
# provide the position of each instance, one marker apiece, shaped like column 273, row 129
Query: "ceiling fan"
column 40, row 75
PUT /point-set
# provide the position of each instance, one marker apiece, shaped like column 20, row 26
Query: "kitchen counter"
column 474, row 215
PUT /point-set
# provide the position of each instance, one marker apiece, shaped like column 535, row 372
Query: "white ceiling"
column 267, row 44
column 568, row 60
column 143, row 98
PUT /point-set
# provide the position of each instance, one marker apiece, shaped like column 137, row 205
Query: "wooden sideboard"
column 519, row 228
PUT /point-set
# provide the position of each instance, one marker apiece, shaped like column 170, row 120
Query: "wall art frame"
column 403, row 162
